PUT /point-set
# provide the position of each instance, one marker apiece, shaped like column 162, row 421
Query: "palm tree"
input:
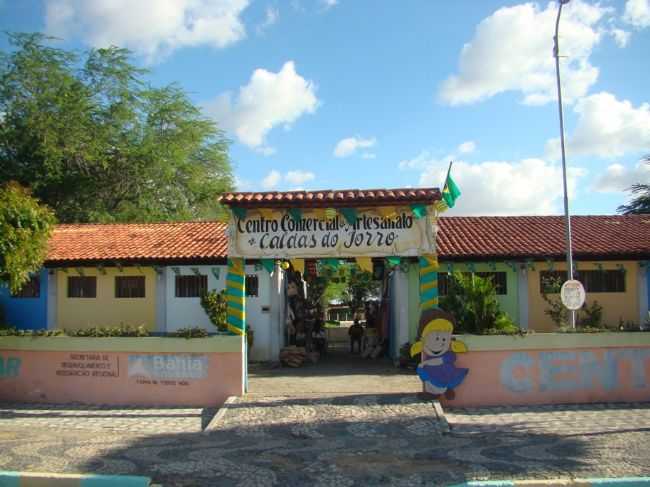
column 641, row 203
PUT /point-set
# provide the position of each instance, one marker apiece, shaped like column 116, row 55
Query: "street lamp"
column 567, row 225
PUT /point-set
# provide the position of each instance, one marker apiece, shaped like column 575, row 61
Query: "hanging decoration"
column 550, row 264
column 235, row 295
column 298, row 265
column 364, row 263
column 102, row 270
column 513, row 265
column 239, row 212
column 216, row 272
column 530, row 265
column 387, row 211
column 599, row 266
column 268, row 264
column 350, row 215
column 195, row 271
column 267, row 213
column 333, row 263
column 419, row 210
column 176, row 270
column 471, row 267
column 404, row 265
column 492, row 266
column 393, row 261
column 428, row 282
column 450, row 268
column 295, row 214
column 330, row 213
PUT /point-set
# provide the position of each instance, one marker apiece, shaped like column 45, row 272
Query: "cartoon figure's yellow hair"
column 438, row 324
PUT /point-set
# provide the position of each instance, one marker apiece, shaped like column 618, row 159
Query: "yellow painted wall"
column 106, row 309
column 615, row 305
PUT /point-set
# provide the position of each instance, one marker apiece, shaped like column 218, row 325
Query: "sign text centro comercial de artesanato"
column 401, row 234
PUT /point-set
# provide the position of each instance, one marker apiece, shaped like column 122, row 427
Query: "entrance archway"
column 397, row 226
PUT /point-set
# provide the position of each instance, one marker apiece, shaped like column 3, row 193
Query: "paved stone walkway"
column 343, row 440
column 137, row 421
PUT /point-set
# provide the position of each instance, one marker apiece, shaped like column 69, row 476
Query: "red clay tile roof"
column 139, row 242
column 332, row 198
column 459, row 238
column 541, row 237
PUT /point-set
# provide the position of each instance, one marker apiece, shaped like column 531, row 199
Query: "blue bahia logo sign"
column 168, row 366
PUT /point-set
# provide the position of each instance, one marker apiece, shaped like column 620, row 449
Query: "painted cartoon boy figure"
column 439, row 349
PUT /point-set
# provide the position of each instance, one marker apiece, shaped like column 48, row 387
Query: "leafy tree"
column 25, row 227
column 361, row 287
column 473, row 302
column 640, row 203
column 95, row 142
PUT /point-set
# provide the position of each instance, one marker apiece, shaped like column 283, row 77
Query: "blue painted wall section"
column 26, row 313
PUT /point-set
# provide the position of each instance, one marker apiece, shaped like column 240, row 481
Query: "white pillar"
column 401, row 309
column 161, row 300
column 277, row 315
column 522, row 297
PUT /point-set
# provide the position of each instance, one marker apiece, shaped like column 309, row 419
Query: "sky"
column 336, row 94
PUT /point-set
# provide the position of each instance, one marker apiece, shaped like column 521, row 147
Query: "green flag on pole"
column 450, row 192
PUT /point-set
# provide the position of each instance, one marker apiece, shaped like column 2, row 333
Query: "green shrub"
column 588, row 317
column 193, row 332
column 8, row 332
column 216, row 307
column 473, row 302
column 110, row 331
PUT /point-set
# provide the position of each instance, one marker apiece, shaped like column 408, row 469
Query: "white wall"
column 187, row 312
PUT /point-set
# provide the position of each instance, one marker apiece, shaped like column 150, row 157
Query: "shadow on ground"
column 335, row 452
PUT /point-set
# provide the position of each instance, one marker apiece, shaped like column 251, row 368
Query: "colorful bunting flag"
column 268, row 213
column 364, row 263
column 419, row 211
column 450, row 192
column 298, row 265
column 295, row 214
column 393, row 261
column 268, row 264
column 387, row 211
column 239, row 212
column 330, row 213
column 350, row 215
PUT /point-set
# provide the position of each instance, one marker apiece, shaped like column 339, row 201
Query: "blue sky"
column 321, row 94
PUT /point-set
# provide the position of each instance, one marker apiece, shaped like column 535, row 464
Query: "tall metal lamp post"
column 567, row 225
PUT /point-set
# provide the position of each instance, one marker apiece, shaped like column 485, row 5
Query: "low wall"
column 147, row 371
column 554, row 368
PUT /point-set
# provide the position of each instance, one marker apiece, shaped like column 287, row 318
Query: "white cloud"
column 243, row 184
column 467, row 147
column 269, row 99
column 621, row 37
column 618, row 178
column 606, row 127
column 512, row 51
column 526, row 187
column 271, row 180
column 637, row 13
column 299, row 177
column 348, row 146
column 151, row 28
column 271, row 18
column 368, row 155
column 329, row 3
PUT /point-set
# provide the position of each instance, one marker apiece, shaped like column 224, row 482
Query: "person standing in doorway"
column 356, row 335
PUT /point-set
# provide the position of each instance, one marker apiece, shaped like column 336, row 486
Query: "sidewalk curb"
column 38, row 479
column 440, row 413
column 217, row 421
column 599, row 482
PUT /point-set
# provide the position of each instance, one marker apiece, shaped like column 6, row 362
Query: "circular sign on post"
column 572, row 294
